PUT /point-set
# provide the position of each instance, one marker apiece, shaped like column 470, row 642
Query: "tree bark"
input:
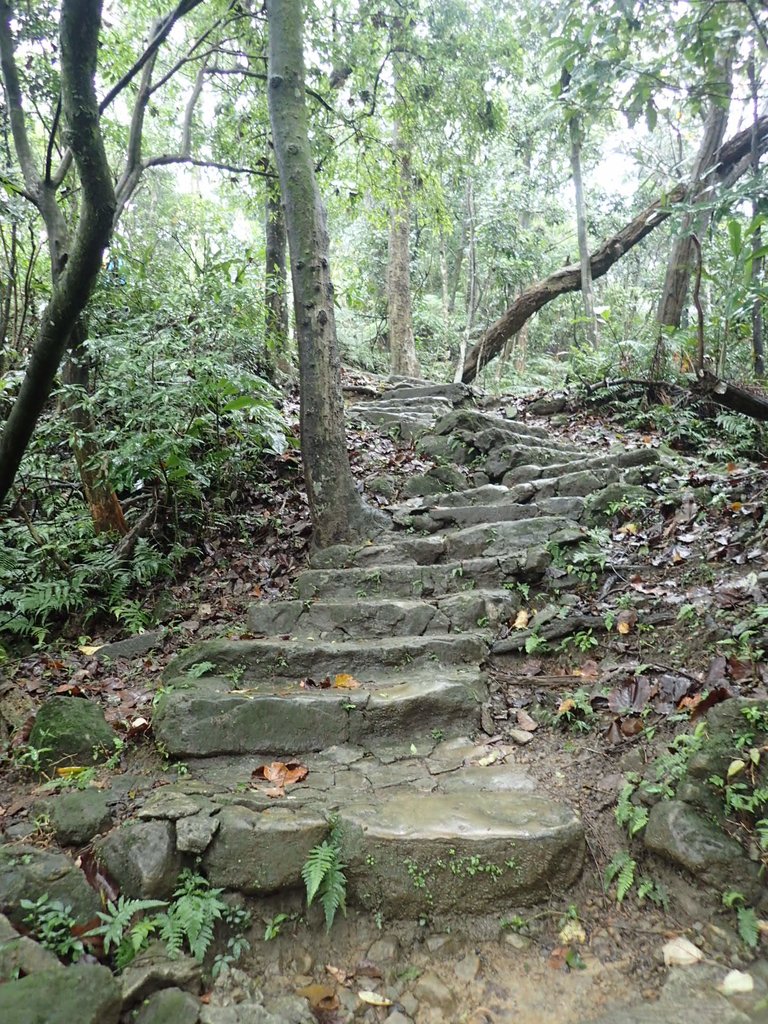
column 681, row 257
column 337, row 511
column 587, row 291
column 471, row 282
column 276, row 277
column 402, row 346
column 80, row 23
column 758, row 341
column 568, row 279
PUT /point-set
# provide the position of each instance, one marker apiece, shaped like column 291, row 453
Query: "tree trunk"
column 402, row 347
column 338, row 513
column 472, row 280
column 758, row 341
column 681, row 257
column 276, row 277
column 80, row 22
column 106, row 511
column 568, row 279
column 587, row 291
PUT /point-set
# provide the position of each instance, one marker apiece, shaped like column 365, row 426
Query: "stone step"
column 472, row 423
column 619, row 460
column 211, row 716
column 399, row 549
column 425, row 581
column 427, row 827
column 452, row 393
column 412, row 855
column 384, row 617
column 514, row 457
column 267, row 661
column 409, row 424
column 441, row 518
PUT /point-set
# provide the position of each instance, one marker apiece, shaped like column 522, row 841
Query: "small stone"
column 78, row 816
column 169, row 1006
column 516, row 941
column 133, row 647
column 155, row 969
column 194, row 834
column 468, row 968
column 383, row 950
column 396, row 1017
column 431, row 991
column 520, row 736
column 409, row 1003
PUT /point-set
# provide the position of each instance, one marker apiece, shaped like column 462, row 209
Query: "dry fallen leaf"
column 736, row 983
column 525, row 721
column 341, row 975
column 89, row 649
column 343, row 681
column 70, row 772
column 373, row 999
column 572, row 931
column 320, row 997
column 280, row 773
column 681, row 952
column 521, row 621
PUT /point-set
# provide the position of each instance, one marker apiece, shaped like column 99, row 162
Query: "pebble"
column 516, row 941
column 397, row 1018
column 520, row 736
column 383, row 950
column 432, row 991
column 468, row 968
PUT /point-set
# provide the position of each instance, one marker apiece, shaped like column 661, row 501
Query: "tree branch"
column 15, row 108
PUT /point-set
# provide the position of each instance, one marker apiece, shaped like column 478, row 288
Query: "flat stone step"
column 473, row 423
column 411, row 855
column 347, row 619
column 441, row 518
column 425, row 581
column 250, row 661
column 618, row 460
column 428, row 826
column 382, row 617
column 211, row 715
column 511, row 457
column 398, row 549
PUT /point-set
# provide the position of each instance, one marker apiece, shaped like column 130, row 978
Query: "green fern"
column 117, row 920
column 749, row 929
column 323, row 874
column 621, row 870
column 191, row 916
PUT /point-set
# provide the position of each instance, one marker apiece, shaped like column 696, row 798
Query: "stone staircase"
column 373, row 677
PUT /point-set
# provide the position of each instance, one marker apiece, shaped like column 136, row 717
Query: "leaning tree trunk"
column 729, row 166
column 337, row 510
column 402, row 346
column 80, row 23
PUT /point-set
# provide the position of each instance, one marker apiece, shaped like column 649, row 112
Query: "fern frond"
column 320, row 861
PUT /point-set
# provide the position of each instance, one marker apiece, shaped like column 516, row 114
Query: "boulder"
column 76, row 817
column 170, row 1006
column 27, row 872
column 141, row 856
column 154, row 969
column 85, row 993
column 20, row 955
column 71, row 730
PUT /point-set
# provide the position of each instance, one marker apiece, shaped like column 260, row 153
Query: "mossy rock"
column 71, row 731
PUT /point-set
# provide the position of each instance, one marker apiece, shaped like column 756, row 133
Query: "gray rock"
column 76, row 817
column 20, row 955
column 171, row 804
column 153, row 970
column 384, row 485
column 141, row 856
column 132, row 647
column 677, row 832
column 27, row 872
column 170, row 1006
column 631, row 495
column 431, row 991
column 71, row 730
column 194, row 835
column 85, row 993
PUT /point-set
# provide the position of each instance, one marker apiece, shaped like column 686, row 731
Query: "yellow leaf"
column 89, row 650
column 522, row 619
column 736, row 506
column 624, row 628
column 70, row 772
column 629, row 528
column 735, row 767
column 345, row 682
column 572, row 932
column 373, row 999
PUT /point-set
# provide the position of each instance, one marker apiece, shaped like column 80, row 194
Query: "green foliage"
column 630, row 815
column 186, row 924
column 323, row 874
column 746, row 918
column 52, row 924
column 621, row 870
column 576, row 712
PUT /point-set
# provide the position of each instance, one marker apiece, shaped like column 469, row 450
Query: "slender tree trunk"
column 758, row 341
column 338, row 513
column 471, row 281
column 402, row 347
column 79, row 268
column 681, row 257
column 276, row 276
column 587, row 290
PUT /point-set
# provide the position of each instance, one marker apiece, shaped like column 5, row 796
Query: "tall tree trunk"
column 80, row 22
column 276, row 276
column 471, row 282
column 587, row 290
column 758, row 341
column 681, row 257
column 338, row 513
column 402, row 347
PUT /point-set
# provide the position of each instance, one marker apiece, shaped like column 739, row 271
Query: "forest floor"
column 674, row 605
